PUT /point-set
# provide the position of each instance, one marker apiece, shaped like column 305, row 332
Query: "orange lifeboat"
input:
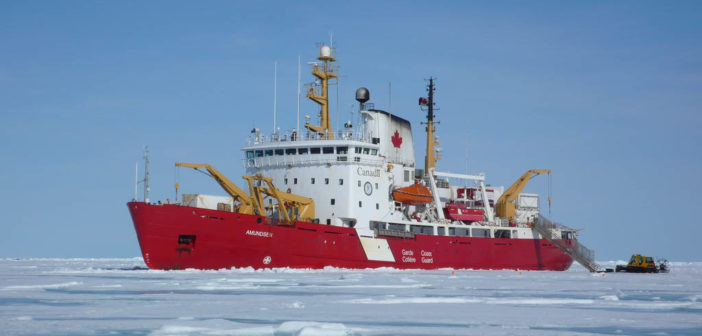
column 414, row 194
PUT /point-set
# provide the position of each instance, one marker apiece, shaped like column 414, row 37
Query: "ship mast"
column 147, row 188
column 430, row 158
column 324, row 128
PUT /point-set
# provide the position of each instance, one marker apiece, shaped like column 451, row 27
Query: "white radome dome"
column 325, row 51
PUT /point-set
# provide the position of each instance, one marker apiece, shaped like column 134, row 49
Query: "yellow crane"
column 506, row 203
column 291, row 207
column 246, row 203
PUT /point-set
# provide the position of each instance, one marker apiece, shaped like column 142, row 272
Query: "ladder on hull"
column 579, row 253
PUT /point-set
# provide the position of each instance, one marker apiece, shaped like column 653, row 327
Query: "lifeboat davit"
column 415, row 194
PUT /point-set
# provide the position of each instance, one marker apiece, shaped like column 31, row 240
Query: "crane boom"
column 505, row 204
column 228, row 186
column 291, row 207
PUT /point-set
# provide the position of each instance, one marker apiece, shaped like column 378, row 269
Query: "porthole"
column 368, row 188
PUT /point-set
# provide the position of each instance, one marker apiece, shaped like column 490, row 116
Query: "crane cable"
column 549, row 194
column 176, row 178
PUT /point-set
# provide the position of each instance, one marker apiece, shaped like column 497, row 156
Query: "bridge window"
column 462, row 232
column 268, row 152
column 328, row 150
column 377, row 225
column 502, row 234
column 302, row 150
column 484, row 233
column 342, row 150
column 442, row 231
column 249, row 154
column 396, row 227
column 357, row 150
column 421, row 229
column 366, row 150
column 374, row 151
column 259, row 153
column 290, row 151
column 279, row 151
column 314, row 150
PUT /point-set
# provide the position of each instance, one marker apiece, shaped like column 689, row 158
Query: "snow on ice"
column 122, row 297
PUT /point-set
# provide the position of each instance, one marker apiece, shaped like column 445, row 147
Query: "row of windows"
column 465, row 232
column 311, row 150
column 313, row 180
column 326, row 181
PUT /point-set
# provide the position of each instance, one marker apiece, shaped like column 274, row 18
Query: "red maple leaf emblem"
column 396, row 140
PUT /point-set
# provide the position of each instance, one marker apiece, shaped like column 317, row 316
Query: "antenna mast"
column 136, row 181
column 431, row 156
column 297, row 126
column 146, row 174
column 320, row 95
column 390, row 96
column 275, row 94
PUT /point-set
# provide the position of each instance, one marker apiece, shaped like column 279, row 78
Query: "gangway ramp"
column 551, row 232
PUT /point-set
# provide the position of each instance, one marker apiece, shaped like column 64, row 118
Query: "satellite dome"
column 362, row 95
column 325, row 51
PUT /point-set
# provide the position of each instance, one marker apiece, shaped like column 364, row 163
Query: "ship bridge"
column 382, row 138
column 353, row 172
column 287, row 151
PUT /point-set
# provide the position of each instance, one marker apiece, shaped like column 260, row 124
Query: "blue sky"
column 607, row 94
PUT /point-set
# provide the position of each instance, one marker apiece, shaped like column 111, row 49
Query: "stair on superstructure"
column 579, row 253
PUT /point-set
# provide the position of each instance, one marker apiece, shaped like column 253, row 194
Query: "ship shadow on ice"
column 242, row 292
column 133, row 268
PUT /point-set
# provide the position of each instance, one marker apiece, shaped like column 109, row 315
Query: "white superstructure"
column 351, row 175
column 349, row 178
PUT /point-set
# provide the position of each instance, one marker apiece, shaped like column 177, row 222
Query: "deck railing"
column 312, row 159
column 291, row 136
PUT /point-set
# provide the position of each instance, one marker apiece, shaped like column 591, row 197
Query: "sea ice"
column 122, row 297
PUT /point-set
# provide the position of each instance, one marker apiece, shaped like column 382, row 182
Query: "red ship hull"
column 179, row 237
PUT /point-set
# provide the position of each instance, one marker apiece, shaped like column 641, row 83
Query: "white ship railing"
column 312, row 159
column 292, row 136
